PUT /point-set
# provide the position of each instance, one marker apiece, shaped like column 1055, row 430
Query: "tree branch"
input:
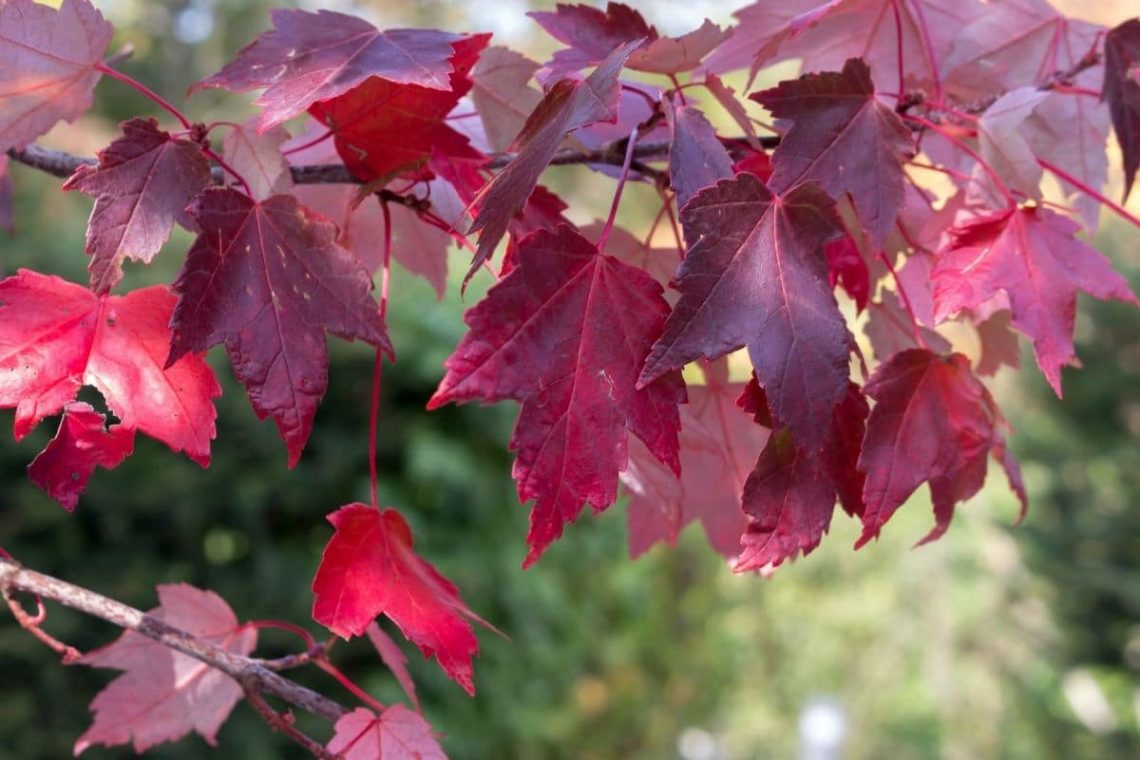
column 248, row 672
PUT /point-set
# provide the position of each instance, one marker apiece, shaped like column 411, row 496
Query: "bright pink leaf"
column 591, row 33
column 1122, row 92
column 393, row 658
column 398, row 734
column 844, row 139
column 1030, row 256
column 755, row 275
column 696, row 157
column 309, row 57
column 935, row 423
column 83, row 443
column 719, row 443
column 164, row 695
column 47, row 65
column 369, row 568
column 570, row 104
column 142, row 185
column 268, row 280
column 502, row 94
column 56, row 336
column 384, row 127
column 565, row 333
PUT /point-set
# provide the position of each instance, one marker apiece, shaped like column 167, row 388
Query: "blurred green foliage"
column 981, row 645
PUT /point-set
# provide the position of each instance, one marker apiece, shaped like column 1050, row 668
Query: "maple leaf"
column 718, row 444
column 397, row 734
column 565, row 333
column 935, row 423
column 660, row 263
column 569, row 105
column 48, row 62
column 83, row 442
column 268, row 280
column 393, row 658
column 672, row 55
column 1002, row 145
column 164, row 694
column 824, row 34
column 696, row 157
column 56, row 336
column 890, row 329
column 1030, row 256
column 383, row 127
column 309, row 57
column 502, row 95
column 1121, row 90
column 142, row 185
column 999, row 344
column 790, row 494
column 369, row 568
column 258, row 158
column 843, row 138
column 846, row 267
column 755, row 275
column 591, row 33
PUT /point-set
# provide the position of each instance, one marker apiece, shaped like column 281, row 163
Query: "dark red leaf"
column 1030, row 256
column 755, row 275
column 369, row 568
column 47, row 65
column 267, row 279
column 757, row 162
column 83, row 442
column 56, row 336
column 935, row 423
column 384, row 127
column 309, row 57
column 696, row 157
column 164, row 695
column 570, row 104
column 1122, row 92
column 591, row 33
column 142, row 185
column 565, row 333
column 843, row 138
column 398, row 734
column 846, row 267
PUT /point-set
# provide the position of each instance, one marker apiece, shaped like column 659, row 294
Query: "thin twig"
column 244, row 670
column 284, row 724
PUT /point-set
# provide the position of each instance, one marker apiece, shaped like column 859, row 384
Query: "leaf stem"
column 968, row 151
column 347, row 683
column 617, row 193
column 151, row 94
column 1084, row 188
column 309, row 144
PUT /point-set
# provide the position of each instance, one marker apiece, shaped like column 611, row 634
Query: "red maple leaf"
column 935, row 423
column 846, row 267
column 719, row 444
column 267, row 279
column 1030, row 256
column 844, row 139
column 1122, row 92
column 696, row 157
column 369, row 568
column 164, row 695
column 383, row 127
column 790, row 495
column 56, row 336
column 397, row 734
column 755, row 275
column 47, row 65
column 570, row 104
column 591, row 33
column 82, row 443
column 565, row 333
column 310, row 57
column 142, row 185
